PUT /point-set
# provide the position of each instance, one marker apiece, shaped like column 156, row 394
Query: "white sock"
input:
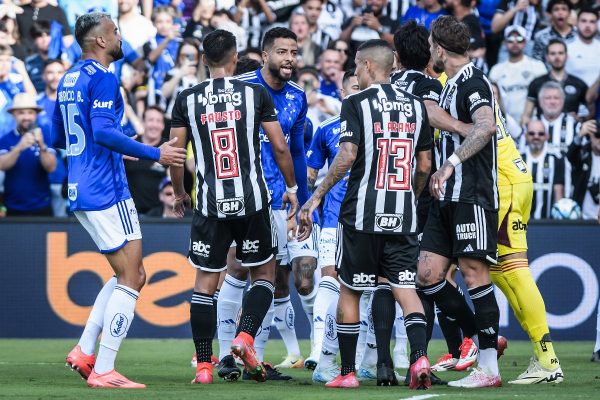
column 369, row 358
column 488, row 361
column 308, row 303
column 260, row 341
column 328, row 292
column 401, row 338
column 330, row 347
column 597, row 345
column 93, row 326
column 364, row 324
column 284, row 319
column 117, row 320
column 228, row 309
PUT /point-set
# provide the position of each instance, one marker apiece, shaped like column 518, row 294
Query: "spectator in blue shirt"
column 40, row 33
column 11, row 83
column 425, row 13
column 27, row 160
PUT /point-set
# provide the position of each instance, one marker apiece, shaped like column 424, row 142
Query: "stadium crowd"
column 542, row 57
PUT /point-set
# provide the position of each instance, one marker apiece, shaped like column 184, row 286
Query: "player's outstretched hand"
column 305, row 218
column 181, row 203
column 292, row 200
column 438, row 180
column 172, row 156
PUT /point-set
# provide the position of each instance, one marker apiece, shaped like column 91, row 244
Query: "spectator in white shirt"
column 584, row 51
column 134, row 27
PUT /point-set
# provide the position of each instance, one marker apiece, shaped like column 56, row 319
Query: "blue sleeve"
column 130, row 55
column 316, row 156
column 105, row 134
column 298, row 153
column 57, row 133
column 104, row 90
column 308, row 134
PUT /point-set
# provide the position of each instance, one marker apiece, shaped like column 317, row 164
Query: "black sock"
column 428, row 307
column 416, row 330
column 451, row 332
column 384, row 313
column 255, row 306
column 487, row 316
column 203, row 318
column 449, row 300
column 348, row 338
column 216, row 298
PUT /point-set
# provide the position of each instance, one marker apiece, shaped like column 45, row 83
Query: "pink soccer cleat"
column 204, row 373
column 420, row 374
column 344, row 382
column 477, row 379
column 112, row 379
column 243, row 347
column 502, row 345
column 78, row 361
column 468, row 355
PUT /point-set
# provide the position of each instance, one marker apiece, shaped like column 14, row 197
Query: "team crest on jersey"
column 231, row 206
column 520, row 164
column 72, row 191
column 389, row 222
column 289, row 96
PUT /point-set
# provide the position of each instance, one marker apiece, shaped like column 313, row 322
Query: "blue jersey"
column 129, row 57
column 290, row 103
column 324, row 148
column 422, row 16
column 96, row 174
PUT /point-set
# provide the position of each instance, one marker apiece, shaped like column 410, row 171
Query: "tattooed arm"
column 311, row 175
column 483, row 129
column 421, row 172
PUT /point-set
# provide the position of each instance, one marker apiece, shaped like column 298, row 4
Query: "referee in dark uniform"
column 384, row 136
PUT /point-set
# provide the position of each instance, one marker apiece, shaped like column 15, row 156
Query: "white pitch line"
column 422, row 397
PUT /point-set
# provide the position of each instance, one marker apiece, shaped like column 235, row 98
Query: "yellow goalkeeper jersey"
column 511, row 167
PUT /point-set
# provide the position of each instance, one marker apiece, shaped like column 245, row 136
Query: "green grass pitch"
column 34, row 369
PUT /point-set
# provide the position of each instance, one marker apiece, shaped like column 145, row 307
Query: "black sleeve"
column 583, row 88
column 534, row 88
column 502, row 7
column 266, row 107
column 179, row 114
column 474, row 94
column 559, row 171
column 429, row 89
column 350, row 125
column 146, row 49
column 425, row 141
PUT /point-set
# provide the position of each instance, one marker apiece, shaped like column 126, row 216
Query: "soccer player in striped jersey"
column 384, row 137
column 223, row 115
column 462, row 223
column 324, row 147
column 87, row 124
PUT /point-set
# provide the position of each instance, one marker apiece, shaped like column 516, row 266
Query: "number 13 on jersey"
column 397, row 175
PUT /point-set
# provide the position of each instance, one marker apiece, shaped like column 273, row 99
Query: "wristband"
column 292, row 189
column 454, row 160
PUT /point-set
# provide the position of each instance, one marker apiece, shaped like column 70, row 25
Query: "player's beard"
column 275, row 70
column 117, row 54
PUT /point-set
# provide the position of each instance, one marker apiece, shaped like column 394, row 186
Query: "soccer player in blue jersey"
column 323, row 149
column 280, row 50
column 87, row 124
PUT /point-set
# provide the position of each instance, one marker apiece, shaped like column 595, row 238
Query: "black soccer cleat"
column 272, row 374
column 595, row 356
column 228, row 369
column 434, row 379
column 386, row 376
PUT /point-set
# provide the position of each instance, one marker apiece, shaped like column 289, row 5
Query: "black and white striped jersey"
column 223, row 118
column 418, row 84
column 389, row 126
column 561, row 133
column 547, row 170
column 528, row 18
column 476, row 179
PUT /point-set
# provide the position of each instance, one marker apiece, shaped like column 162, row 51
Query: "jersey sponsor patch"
column 475, row 99
column 231, row 206
column 71, row 79
column 389, row 222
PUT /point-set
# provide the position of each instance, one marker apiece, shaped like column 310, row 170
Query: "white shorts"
column 112, row 228
column 327, row 245
column 288, row 250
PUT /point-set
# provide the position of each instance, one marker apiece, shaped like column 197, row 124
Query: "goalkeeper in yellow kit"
column 512, row 274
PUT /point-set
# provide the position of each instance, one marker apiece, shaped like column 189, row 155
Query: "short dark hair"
column 556, row 41
column 249, row 50
column 246, row 64
column 188, row 41
column 307, row 70
column 53, row 61
column 451, row 34
column 587, row 10
column 39, row 28
column 85, row 24
column 277, row 33
column 412, row 45
column 373, row 43
column 553, row 3
column 153, row 108
column 218, row 46
column 347, row 75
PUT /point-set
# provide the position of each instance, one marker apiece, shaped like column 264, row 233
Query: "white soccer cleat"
column 291, row 361
column 313, row 359
column 367, row 373
column 477, row 379
column 535, row 373
column 324, row 375
column 445, row 363
column 401, row 358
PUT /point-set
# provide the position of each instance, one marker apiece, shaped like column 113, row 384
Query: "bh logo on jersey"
column 363, row 279
column 466, row 231
column 72, row 191
column 231, row 206
column 200, row 249
column 250, row 246
column 330, row 331
column 406, row 277
column 389, row 222
column 118, row 325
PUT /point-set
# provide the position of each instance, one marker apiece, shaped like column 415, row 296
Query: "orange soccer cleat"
column 344, row 382
column 243, row 347
column 204, row 373
column 78, row 361
column 420, row 374
column 468, row 354
column 112, row 379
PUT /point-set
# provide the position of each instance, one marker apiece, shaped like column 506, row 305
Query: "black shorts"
column 211, row 238
column 456, row 230
column 362, row 257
